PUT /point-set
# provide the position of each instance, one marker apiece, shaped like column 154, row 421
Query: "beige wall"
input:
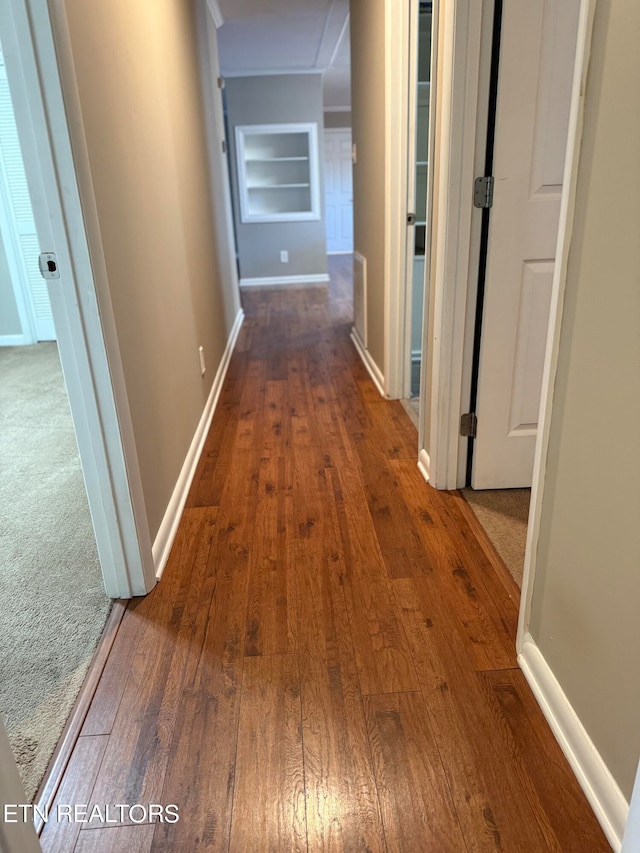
column 140, row 94
column 587, row 583
column 368, row 130
column 278, row 99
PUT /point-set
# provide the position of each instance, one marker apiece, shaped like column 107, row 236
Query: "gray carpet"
column 52, row 603
column 504, row 514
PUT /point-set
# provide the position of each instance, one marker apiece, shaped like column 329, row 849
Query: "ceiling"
column 288, row 36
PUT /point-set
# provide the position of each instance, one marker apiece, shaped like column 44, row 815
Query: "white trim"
column 631, row 841
column 424, row 464
column 169, row 525
column 565, row 229
column 282, row 280
column 216, row 14
column 64, row 210
column 343, row 31
column 372, row 368
column 396, row 169
column 458, row 46
column 405, row 331
column 336, row 110
column 15, row 341
column 348, row 252
column 600, row 788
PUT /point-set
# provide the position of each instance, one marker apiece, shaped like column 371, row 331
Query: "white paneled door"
column 17, row 226
column 535, row 76
column 338, row 190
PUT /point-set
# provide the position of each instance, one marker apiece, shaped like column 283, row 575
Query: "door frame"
column 398, row 15
column 565, row 230
column 453, row 277
column 454, row 261
column 66, row 220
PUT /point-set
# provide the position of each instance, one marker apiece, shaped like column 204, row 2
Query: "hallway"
column 329, row 659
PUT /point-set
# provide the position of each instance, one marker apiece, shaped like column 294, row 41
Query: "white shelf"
column 276, row 159
column 251, row 187
column 278, row 172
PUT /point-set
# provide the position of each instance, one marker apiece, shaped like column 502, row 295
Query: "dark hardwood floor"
column 329, row 660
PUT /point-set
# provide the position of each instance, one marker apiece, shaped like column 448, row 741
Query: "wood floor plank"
column 417, row 806
column 538, row 757
column 272, row 615
column 59, row 836
column 491, row 629
column 341, row 798
column 116, row 839
column 201, row 767
column 400, row 543
column 268, row 803
column 494, row 803
column 136, row 757
column 382, row 653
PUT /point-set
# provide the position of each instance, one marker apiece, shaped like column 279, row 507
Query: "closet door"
column 17, row 224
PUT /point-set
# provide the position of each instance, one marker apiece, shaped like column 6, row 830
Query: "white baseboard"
column 320, row 278
column 424, row 464
column 341, row 252
column 169, row 526
column 593, row 775
column 372, row 368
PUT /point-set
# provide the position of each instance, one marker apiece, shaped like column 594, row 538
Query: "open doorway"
column 53, row 605
column 418, row 220
column 287, row 101
column 518, row 199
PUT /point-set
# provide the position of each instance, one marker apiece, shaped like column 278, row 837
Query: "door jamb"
column 396, row 167
column 456, row 103
column 565, row 230
column 66, row 220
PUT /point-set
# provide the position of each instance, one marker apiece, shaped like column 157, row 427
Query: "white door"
column 338, row 180
column 534, row 91
column 18, row 228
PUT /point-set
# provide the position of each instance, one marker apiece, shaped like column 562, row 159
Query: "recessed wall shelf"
column 278, row 172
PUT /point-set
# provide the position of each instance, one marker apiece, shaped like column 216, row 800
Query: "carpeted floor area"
column 52, row 603
column 504, row 514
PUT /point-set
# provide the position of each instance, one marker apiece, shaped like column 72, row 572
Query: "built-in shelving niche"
column 278, row 172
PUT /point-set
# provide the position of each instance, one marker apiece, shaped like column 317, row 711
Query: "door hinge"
column 483, row 192
column 220, row 82
column 224, row 146
column 48, row 264
column 469, row 425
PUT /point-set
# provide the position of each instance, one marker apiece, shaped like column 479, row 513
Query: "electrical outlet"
column 203, row 366
column 284, row 257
